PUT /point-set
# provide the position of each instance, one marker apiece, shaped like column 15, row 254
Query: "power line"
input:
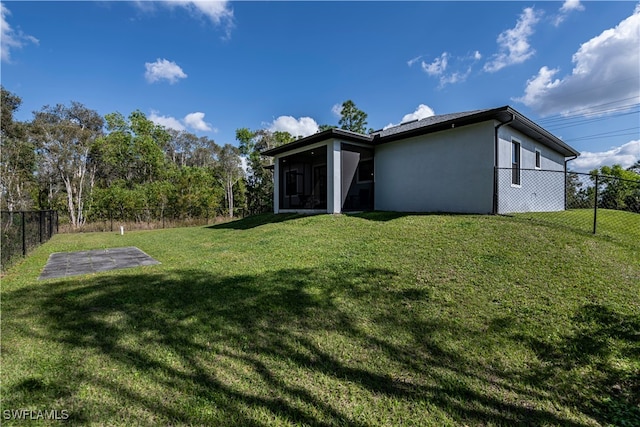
column 601, row 137
column 608, row 133
column 591, row 120
column 591, row 111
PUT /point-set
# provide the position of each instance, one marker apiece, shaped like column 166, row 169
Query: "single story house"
column 470, row 162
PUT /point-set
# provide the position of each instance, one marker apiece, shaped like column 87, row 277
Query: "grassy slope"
column 379, row 319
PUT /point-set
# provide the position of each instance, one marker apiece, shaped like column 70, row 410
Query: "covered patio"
column 332, row 172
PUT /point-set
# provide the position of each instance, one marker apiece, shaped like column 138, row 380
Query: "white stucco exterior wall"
column 447, row 171
column 540, row 190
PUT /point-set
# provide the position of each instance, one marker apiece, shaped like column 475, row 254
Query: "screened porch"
column 303, row 180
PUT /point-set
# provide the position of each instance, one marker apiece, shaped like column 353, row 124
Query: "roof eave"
column 317, row 137
column 542, row 135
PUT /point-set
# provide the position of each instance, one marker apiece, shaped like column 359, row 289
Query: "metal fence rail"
column 597, row 204
column 23, row 231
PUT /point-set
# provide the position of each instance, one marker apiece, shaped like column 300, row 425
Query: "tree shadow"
column 187, row 347
column 585, row 229
column 258, row 220
column 595, row 344
column 382, row 216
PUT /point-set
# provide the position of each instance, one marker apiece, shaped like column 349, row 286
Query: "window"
column 365, row 171
column 515, row 162
column 538, row 159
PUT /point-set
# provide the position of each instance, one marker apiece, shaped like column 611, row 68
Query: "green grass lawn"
column 371, row 319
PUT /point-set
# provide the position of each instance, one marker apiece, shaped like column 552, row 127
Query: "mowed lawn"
column 354, row 320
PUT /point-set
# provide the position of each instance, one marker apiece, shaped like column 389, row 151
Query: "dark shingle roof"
column 427, row 121
column 504, row 115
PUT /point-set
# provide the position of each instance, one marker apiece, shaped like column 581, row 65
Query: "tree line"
column 71, row 159
column 610, row 187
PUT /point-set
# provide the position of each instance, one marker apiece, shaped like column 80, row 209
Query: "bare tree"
column 230, row 172
column 65, row 135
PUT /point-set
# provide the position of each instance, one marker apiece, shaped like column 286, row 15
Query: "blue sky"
column 210, row 68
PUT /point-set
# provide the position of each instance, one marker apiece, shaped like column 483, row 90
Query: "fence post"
column 24, row 237
column 495, row 190
column 595, row 206
column 111, row 219
column 40, row 224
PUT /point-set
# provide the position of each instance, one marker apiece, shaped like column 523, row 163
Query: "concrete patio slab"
column 65, row 264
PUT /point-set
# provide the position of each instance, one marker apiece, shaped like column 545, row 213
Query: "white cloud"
column 218, row 12
column 570, row 5
column 166, row 121
column 163, row 69
column 624, row 155
column 438, row 66
column 456, row 77
column 567, row 7
column 337, row 110
column 414, row 60
column 423, row 111
column 606, row 70
column 441, row 67
column 514, row 47
column 10, row 38
column 196, row 121
column 304, row 126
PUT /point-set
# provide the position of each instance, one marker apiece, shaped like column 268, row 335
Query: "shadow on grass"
column 280, row 346
column 598, row 338
column 256, row 221
column 384, row 216
column 618, row 227
column 269, row 218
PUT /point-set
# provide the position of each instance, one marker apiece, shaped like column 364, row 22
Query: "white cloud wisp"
column 567, row 7
column 10, row 38
column 218, row 12
column 441, row 67
column 514, row 47
column 337, row 110
column 438, row 66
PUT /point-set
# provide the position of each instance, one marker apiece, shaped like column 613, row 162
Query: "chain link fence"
column 598, row 204
column 23, row 231
column 147, row 219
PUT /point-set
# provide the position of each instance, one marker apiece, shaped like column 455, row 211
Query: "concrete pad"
column 65, row 264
